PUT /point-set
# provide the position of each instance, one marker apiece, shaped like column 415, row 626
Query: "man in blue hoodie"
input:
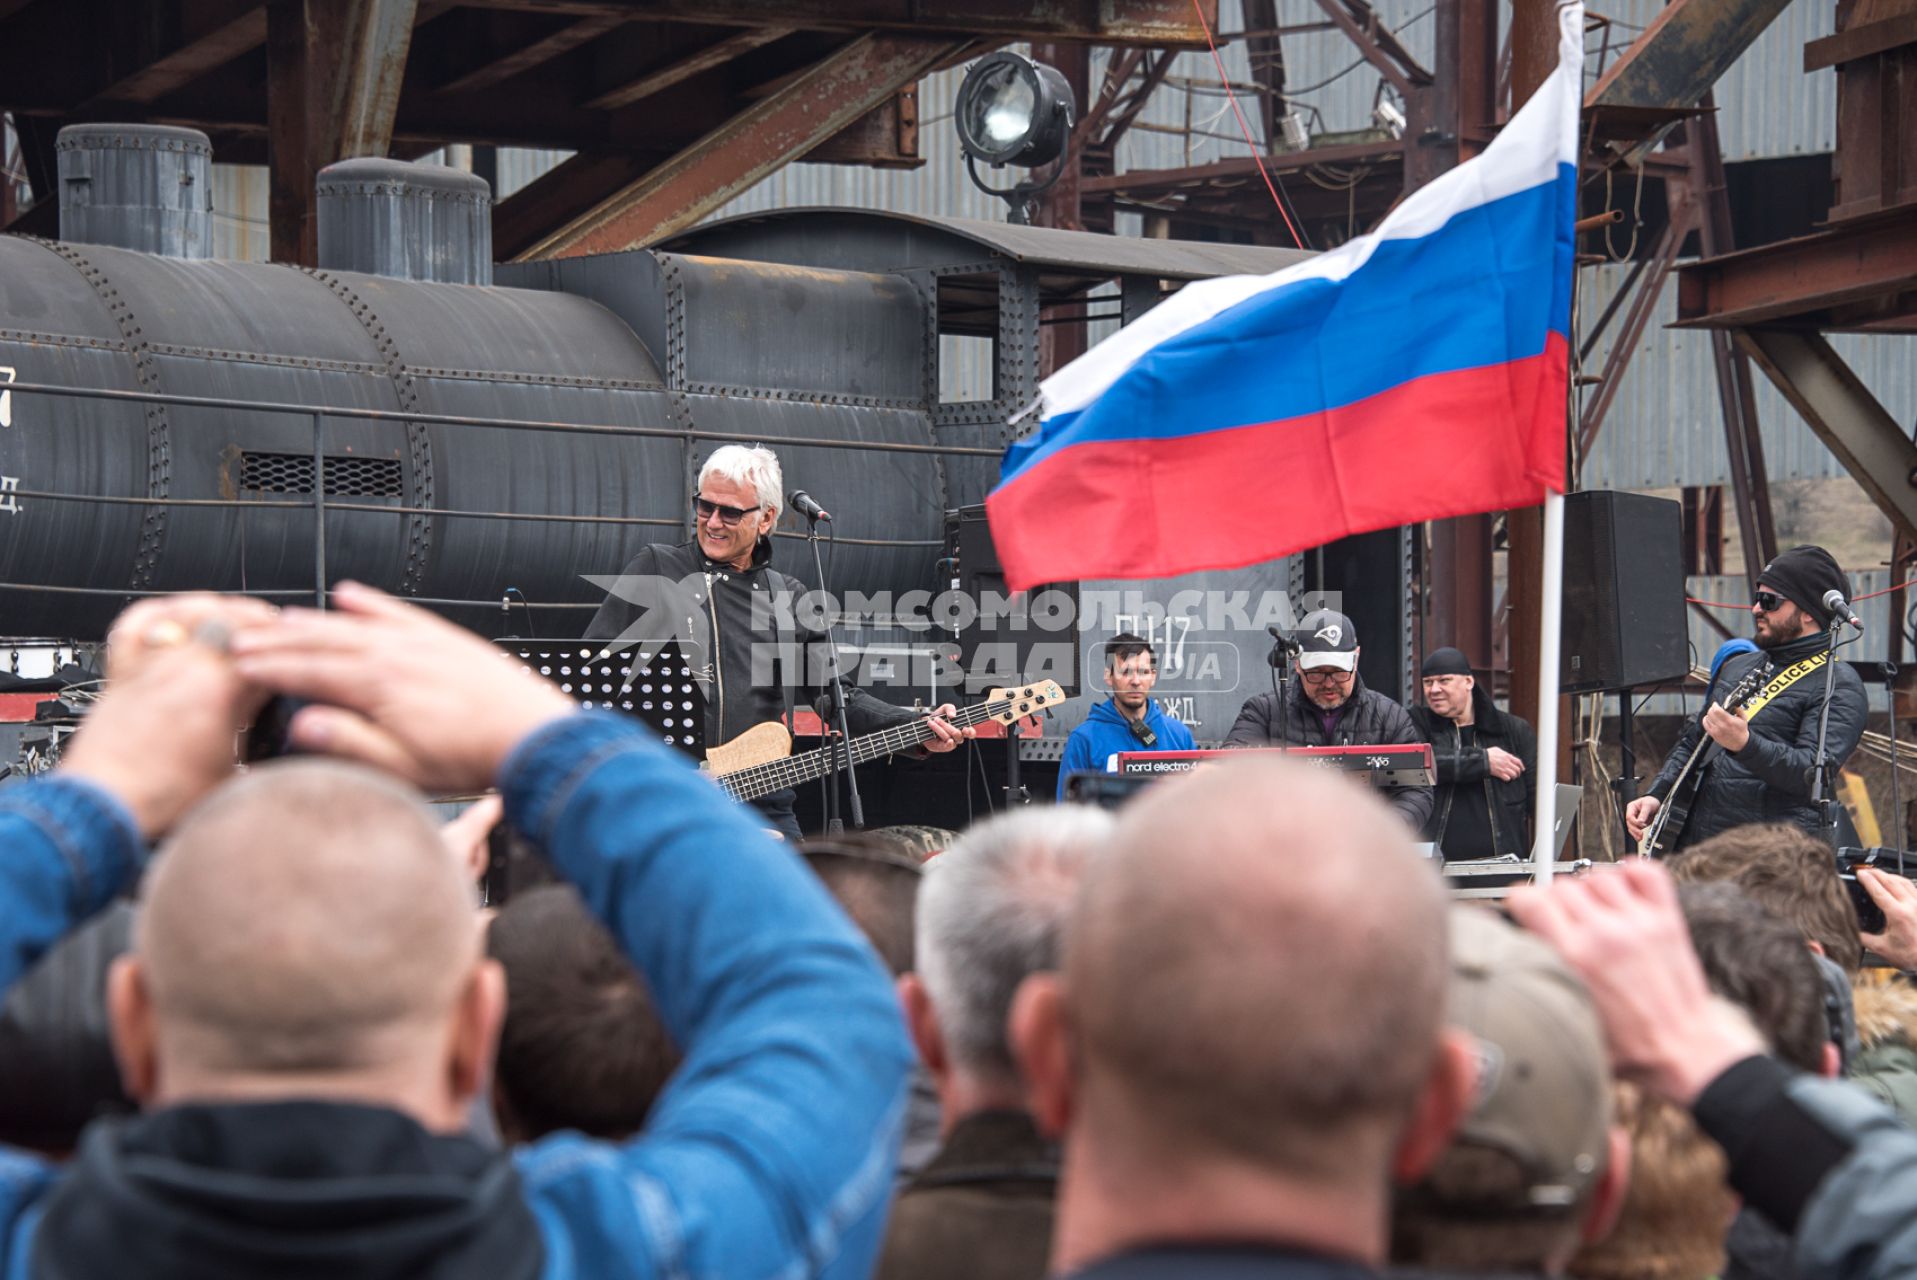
column 1129, row 720
column 306, row 1016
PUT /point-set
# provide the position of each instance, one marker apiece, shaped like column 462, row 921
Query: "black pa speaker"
column 1624, row 622
column 1010, row 642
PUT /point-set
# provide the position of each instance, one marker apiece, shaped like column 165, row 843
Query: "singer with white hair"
column 719, row 596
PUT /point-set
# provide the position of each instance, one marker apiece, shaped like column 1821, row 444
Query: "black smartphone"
column 1870, row 916
column 267, row 738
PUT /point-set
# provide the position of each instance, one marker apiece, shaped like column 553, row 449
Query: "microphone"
column 1280, row 651
column 1835, row 602
column 802, row 502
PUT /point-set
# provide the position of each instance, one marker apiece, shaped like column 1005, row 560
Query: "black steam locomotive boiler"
column 483, row 438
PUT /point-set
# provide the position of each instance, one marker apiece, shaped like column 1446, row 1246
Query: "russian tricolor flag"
column 1414, row 373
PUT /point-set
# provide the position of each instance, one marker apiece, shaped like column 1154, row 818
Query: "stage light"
column 1012, row 110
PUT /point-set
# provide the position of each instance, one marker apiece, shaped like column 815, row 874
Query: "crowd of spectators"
column 257, row 1024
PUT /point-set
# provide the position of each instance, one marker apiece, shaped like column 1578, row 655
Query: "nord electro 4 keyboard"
column 1406, row 765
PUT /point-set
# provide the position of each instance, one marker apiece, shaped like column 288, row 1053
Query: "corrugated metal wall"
column 1705, row 639
column 1665, row 427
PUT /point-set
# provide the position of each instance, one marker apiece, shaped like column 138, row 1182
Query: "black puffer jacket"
column 1514, row 804
column 1769, row 780
column 1271, row 719
column 676, row 593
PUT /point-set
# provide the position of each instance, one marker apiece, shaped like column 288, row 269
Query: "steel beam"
column 333, row 78
column 209, row 36
column 664, row 75
column 1685, row 50
column 886, row 137
column 560, row 195
column 534, row 53
column 1809, row 281
column 1873, row 446
column 1379, row 47
column 780, row 127
column 1145, row 22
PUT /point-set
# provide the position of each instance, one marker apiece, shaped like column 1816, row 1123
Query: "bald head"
column 305, row 919
column 1256, row 971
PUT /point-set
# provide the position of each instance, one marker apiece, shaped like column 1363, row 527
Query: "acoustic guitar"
column 758, row 761
column 1667, row 827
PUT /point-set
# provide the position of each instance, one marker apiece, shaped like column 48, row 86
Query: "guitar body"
column 760, row 760
column 761, row 744
column 1661, row 837
column 1667, row 827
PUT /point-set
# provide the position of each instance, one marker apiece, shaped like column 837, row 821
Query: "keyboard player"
column 1327, row 705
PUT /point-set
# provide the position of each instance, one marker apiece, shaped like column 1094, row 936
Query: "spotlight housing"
column 1012, row 110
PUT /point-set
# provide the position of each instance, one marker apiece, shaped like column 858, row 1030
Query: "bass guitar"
column 755, row 763
column 1667, row 827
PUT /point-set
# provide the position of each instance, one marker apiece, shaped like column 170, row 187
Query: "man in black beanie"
column 1487, row 788
column 1759, row 769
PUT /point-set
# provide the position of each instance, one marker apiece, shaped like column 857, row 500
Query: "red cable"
column 1243, row 125
column 1869, row 595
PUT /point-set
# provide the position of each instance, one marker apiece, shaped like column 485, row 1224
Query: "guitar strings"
column 793, row 770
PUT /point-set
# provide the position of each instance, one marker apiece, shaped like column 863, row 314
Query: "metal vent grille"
column 346, row 476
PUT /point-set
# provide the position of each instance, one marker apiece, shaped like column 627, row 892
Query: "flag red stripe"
column 1448, row 444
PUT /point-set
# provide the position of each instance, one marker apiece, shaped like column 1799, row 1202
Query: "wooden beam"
column 663, row 76
column 754, row 143
column 580, row 31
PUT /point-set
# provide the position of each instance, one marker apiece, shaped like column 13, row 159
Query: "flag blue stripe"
column 1485, row 288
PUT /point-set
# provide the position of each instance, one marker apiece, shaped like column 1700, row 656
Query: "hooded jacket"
column 1106, row 732
column 1288, row 720
column 770, row 1152
column 1769, row 780
column 1886, row 1063
column 1512, row 804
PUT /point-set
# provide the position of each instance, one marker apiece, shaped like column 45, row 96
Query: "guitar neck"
column 791, row 771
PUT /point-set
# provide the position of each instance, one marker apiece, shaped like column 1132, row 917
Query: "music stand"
column 660, row 688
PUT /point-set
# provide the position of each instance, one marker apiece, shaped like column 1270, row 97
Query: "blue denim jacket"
column 770, row 1153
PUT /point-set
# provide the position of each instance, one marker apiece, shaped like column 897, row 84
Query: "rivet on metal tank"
column 145, row 187
column 408, row 221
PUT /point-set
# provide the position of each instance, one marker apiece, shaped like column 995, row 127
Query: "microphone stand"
column 1896, row 787
column 833, row 825
column 1820, row 763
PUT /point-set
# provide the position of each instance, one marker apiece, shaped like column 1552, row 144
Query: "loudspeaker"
column 1624, row 621
column 1008, row 642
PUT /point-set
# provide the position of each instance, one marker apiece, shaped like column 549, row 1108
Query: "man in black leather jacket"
column 1487, row 782
column 732, row 614
column 1327, row 705
column 1761, row 770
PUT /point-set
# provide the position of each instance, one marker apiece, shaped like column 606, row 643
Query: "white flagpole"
column 1548, row 642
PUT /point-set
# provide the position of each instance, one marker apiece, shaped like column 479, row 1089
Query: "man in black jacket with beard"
column 1327, row 705
column 731, row 612
column 1761, row 771
column 1487, row 784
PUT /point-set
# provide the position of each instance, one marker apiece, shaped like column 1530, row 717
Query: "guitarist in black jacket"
column 1759, row 769
column 716, row 596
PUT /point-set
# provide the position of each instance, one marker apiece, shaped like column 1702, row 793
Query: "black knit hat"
column 1446, row 662
column 1802, row 575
